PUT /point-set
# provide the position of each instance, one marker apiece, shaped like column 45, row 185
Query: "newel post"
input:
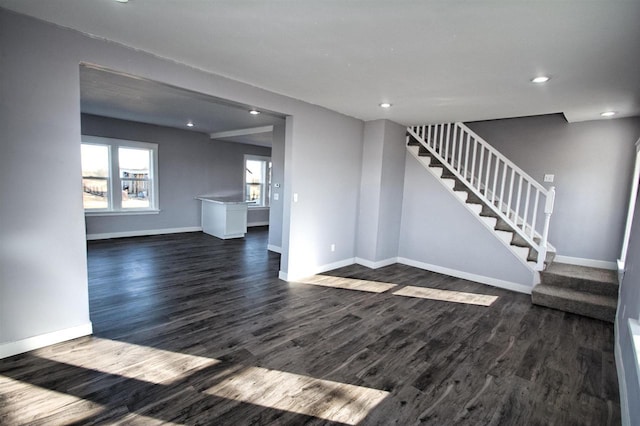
column 548, row 211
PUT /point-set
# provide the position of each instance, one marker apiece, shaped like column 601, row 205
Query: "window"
column 118, row 176
column 257, row 180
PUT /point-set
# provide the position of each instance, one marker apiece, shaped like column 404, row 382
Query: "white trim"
column 592, row 263
column 495, row 282
column 241, row 132
column 143, row 233
column 620, row 271
column 274, row 249
column 634, row 333
column 376, row 264
column 263, row 223
column 632, row 205
column 114, row 181
column 119, row 212
column 283, row 276
column 622, row 380
column 42, row 340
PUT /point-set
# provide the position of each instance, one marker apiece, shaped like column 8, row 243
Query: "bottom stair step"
column 589, row 305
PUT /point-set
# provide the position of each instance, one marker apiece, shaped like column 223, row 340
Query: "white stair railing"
column 511, row 193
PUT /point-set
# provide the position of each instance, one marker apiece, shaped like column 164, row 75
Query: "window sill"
column 634, row 331
column 121, row 212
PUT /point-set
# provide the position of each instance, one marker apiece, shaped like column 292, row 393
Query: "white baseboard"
column 376, row 264
column 592, row 263
column 42, row 340
column 143, row 233
column 274, row 249
column 622, row 380
column 495, row 282
column 317, row 270
column 252, row 224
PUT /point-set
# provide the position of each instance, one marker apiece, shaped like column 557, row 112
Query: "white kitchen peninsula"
column 224, row 217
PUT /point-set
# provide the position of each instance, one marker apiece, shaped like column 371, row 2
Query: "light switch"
column 295, row 197
column 549, row 178
column 276, row 196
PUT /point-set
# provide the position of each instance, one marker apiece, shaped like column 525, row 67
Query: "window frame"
column 114, row 180
column 266, row 185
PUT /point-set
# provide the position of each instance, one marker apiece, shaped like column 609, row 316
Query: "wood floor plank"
column 190, row 329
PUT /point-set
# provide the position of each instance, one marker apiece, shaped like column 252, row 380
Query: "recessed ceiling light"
column 254, row 112
column 122, row 1
column 190, row 124
column 385, row 105
column 540, row 79
column 608, row 113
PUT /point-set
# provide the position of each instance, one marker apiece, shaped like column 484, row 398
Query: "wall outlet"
column 549, row 178
column 333, row 247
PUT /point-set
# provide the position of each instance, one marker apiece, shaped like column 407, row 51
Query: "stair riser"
column 580, row 284
column 604, row 313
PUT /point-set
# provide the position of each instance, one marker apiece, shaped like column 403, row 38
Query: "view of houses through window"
column 118, row 175
column 257, row 180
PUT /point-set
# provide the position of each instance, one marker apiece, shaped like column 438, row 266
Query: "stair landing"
column 581, row 290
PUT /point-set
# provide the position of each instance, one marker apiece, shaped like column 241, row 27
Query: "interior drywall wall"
column 43, row 266
column 40, row 116
column 437, row 229
column 277, row 178
column 629, row 307
column 323, row 193
column 370, row 183
column 592, row 162
column 391, row 190
column 381, row 187
column 189, row 164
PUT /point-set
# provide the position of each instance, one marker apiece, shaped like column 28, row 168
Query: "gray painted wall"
column 391, row 190
column 368, row 217
column 381, row 188
column 438, row 229
column 40, row 122
column 629, row 307
column 277, row 177
column 324, row 158
column 43, row 265
column 592, row 163
column 189, row 163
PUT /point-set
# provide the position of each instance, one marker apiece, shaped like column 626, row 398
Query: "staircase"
column 503, row 197
column 518, row 211
column 590, row 292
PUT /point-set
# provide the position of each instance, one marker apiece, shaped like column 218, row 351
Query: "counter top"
column 223, row 200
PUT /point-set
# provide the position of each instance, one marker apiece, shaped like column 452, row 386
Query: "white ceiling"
column 117, row 95
column 435, row 61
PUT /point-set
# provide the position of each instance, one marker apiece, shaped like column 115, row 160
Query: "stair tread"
column 604, row 276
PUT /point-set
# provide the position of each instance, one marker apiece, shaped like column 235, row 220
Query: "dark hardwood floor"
column 190, row 329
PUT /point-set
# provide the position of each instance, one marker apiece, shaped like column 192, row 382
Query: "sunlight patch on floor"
column 280, row 390
column 324, row 399
column 446, row 295
column 18, row 398
column 347, row 283
column 129, row 360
